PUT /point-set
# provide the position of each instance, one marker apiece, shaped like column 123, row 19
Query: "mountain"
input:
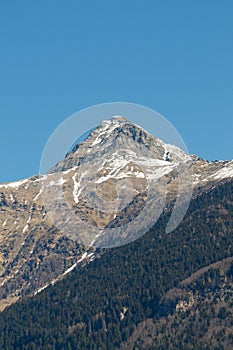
column 119, row 176
column 176, row 285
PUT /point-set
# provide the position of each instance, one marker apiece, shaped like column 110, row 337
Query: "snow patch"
column 41, row 289
column 15, row 184
column 38, row 195
column 25, row 228
column 59, row 182
column 94, row 240
column 77, row 186
column 75, row 264
column 225, row 172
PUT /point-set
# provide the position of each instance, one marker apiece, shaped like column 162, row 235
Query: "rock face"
column 118, row 133
column 104, row 183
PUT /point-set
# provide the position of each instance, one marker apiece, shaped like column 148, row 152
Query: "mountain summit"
column 105, row 183
column 118, row 133
column 118, row 171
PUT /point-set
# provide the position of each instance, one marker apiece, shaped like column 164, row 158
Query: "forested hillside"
column 202, row 318
column 100, row 305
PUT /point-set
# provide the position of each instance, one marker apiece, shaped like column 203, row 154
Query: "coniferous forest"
column 100, row 305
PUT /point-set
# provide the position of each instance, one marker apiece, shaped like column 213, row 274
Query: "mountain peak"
column 117, row 119
column 104, row 127
column 114, row 135
column 107, row 126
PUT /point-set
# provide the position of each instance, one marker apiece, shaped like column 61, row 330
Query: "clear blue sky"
column 57, row 57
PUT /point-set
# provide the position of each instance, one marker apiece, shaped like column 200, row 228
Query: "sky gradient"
column 59, row 57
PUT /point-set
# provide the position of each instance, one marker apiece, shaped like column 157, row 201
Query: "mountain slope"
column 36, row 250
column 98, row 306
column 197, row 315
